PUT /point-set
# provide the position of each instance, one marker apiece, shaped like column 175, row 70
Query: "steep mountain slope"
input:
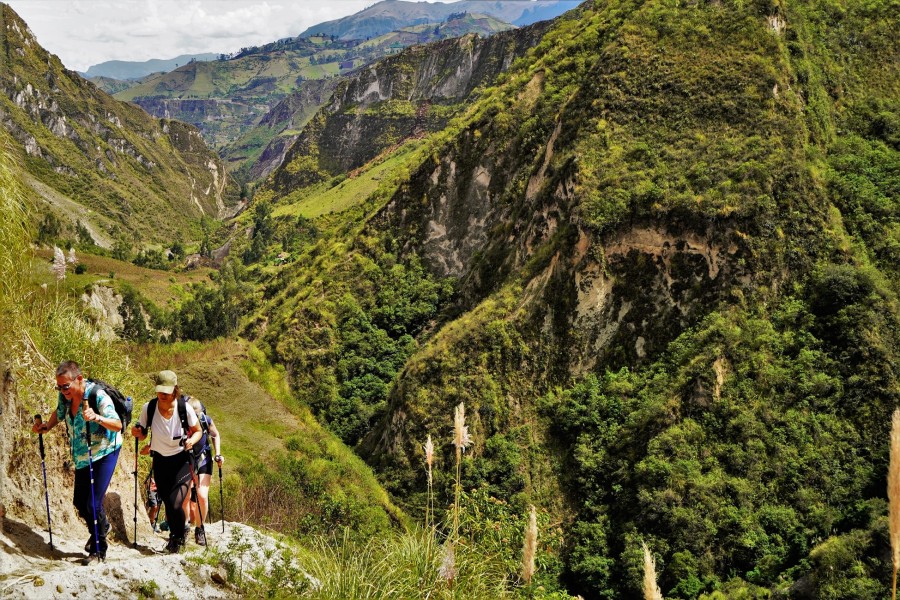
column 672, row 235
column 131, row 172
column 410, row 94
column 262, row 147
column 389, row 15
column 236, row 101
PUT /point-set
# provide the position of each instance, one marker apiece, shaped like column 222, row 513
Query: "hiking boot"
column 89, row 546
column 200, row 536
column 94, row 558
column 175, row 545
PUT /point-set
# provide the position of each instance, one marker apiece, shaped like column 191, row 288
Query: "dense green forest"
column 658, row 262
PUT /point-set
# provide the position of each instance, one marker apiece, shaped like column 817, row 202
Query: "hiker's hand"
column 145, row 450
column 40, row 428
column 138, row 432
column 90, row 415
column 219, row 459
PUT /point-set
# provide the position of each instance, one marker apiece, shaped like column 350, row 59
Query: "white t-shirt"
column 167, row 433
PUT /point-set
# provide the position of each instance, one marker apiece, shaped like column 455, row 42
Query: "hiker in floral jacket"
column 100, row 458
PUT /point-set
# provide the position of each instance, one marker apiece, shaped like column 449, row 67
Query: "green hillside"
column 283, row 470
column 89, row 158
column 658, row 264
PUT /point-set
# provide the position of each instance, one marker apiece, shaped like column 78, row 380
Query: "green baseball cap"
column 166, row 382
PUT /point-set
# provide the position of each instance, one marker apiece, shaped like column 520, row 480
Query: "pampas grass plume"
column 530, row 546
column 447, row 572
column 461, row 437
column 429, row 462
column 59, row 263
column 893, row 492
column 651, row 590
column 429, row 454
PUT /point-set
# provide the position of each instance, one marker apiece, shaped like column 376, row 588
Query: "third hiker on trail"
column 95, row 433
column 176, row 430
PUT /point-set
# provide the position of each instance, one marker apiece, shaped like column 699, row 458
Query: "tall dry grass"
column 13, row 254
column 401, row 565
column 461, row 440
column 893, row 492
column 39, row 326
column 429, row 465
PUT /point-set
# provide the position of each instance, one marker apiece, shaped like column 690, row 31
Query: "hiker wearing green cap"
column 175, row 430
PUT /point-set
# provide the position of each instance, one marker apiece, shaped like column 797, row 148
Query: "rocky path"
column 30, row 569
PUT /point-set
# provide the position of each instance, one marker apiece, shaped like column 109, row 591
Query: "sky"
column 88, row 32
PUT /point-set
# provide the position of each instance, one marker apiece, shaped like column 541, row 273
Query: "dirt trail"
column 30, row 569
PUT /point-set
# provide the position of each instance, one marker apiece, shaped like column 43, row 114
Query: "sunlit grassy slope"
column 262, row 426
column 321, row 199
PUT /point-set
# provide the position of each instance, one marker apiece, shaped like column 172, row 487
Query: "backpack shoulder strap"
column 151, row 412
column 182, row 413
column 92, row 395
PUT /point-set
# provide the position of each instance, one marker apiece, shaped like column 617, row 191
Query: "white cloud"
column 87, row 32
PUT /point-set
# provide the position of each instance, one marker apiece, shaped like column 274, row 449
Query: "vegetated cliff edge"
column 134, row 172
column 262, row 149
column 673, row 232
column 410, row 94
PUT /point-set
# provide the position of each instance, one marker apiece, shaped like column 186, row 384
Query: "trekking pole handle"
column 39, row 421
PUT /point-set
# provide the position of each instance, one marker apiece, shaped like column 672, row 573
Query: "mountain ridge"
column 390, row 15
column 129, row 169
column 128, row 69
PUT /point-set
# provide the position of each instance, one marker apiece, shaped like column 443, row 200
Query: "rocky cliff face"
column 132, row 170
column 204, row 113
column 262, row 148
column 412, row 93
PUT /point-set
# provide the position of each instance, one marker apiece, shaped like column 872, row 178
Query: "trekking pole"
column 87, row 437
column 37, row 419
column 195, row 491
column 135, row 490
column 221, row 499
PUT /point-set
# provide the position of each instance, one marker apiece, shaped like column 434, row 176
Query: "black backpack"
column 122, row 403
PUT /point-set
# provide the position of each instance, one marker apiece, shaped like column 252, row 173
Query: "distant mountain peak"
column 390, row 15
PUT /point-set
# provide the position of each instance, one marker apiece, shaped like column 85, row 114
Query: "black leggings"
column 173, row 478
